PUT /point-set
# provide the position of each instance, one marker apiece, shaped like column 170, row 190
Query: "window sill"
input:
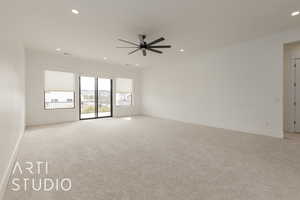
column 58, row 109
column 126, row 106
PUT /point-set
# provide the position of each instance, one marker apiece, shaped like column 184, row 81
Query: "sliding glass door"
column 95, row 97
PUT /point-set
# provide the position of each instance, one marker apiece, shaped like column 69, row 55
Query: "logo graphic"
column 35, row 177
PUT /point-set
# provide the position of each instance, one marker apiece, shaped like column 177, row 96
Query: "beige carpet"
column 153, row 159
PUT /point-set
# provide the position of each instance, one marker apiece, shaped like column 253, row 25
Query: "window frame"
column 74, row 100
column 97, row 97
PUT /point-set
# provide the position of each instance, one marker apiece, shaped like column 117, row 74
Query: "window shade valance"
column 59, row 81
column 123, row 85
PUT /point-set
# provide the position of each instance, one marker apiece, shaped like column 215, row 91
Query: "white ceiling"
column 196, row 26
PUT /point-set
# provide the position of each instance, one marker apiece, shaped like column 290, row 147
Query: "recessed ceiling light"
column 76, row 12
column 105, row 58
column 295, row 13
column 58, row 49
column 137, row 65
column 181, row 50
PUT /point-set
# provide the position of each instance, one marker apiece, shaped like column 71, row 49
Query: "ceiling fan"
column 144, row 46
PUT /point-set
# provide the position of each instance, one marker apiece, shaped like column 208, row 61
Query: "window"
column 59, row 90
column 123, row 92
column 56, row 100
column 95, row 97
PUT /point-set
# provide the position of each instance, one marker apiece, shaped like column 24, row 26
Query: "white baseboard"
column 5, row 179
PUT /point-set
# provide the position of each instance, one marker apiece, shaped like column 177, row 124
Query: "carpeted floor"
column 154, row 159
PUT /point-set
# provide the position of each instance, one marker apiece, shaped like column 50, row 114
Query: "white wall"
column 12, row 103
column 38, row 62
column 239, row 87
column 291, row 51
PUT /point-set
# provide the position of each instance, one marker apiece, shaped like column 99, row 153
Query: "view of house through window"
column 56, row 100
column 59, row 90
column 124, row 92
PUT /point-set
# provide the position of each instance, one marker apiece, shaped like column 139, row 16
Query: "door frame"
column 96, row 99
column 292, row 92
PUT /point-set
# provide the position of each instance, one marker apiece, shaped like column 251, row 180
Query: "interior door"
column 104, row 97
column 297, row 96
column 87, row 88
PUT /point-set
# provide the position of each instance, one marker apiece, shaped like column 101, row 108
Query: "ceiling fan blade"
column 126, row 47
column 134, row 51
column 142, row 38
column 160, row 46
column 128, row 42
column 156, row 41
column 154, row 50
column 144, row 52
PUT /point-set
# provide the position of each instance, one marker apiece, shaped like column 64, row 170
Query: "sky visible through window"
column 88, row 83
column 104, row 84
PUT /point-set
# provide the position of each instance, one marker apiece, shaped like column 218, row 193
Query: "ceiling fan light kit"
column 144, row 46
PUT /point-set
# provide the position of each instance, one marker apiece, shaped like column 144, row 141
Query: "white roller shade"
column 59, row 81
column 123, row 85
